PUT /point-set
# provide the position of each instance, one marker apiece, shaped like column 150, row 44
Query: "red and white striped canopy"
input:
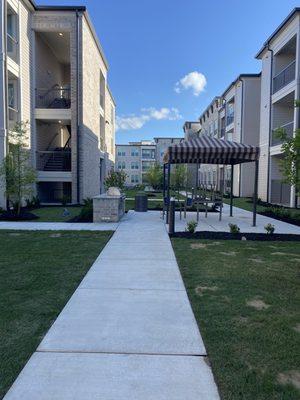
column 207, row 150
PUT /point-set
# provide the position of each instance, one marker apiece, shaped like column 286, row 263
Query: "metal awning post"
column 168, row 190
column 231, row 190
column 255, row 192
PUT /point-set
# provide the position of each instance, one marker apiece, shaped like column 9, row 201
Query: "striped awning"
column 207, row 150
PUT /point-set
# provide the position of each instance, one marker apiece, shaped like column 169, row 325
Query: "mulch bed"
column 23, row 216
column 237, row 236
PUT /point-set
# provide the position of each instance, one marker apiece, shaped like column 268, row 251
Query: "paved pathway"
column 240, row 217
column 128, row 331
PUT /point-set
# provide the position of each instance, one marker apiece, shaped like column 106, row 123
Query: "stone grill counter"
column 108, row 208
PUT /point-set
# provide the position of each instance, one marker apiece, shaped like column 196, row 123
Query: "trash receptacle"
column 141, row 202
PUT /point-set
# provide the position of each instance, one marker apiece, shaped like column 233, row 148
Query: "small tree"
column 154, row 176
column 178, row 177
column 290, row 163
column 115, row 179
column 16, row 170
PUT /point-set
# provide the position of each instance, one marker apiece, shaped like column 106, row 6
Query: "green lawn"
column 55, row 213
column 246, row 299
column 39, row 271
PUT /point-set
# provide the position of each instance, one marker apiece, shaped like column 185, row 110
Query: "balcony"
column 229, row 119
column 288, row 129
column 12, row 48
column 54, row 160
column 54, row 98
column 284, row 77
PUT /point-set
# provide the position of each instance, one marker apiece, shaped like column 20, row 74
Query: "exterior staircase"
column 58, row 160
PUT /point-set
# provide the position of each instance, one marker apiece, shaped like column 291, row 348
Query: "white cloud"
column 194, row 80
column 134, row 122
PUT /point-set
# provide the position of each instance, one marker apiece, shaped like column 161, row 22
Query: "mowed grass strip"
column 39, row 271
column 246, row 299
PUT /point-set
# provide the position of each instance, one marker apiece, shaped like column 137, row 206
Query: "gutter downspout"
column 78, row 114
column 241, row 137
column 5, row 78
column 270, row 122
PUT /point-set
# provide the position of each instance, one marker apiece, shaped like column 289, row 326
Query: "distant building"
column 136, row 158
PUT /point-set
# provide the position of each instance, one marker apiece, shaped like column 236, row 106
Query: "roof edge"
column 241, row 76
column 277, row 30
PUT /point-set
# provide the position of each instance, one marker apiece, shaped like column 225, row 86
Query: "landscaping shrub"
column 191, row 226
column 86, row 213
column 234, row 228
column 270, row 229
column 34, row 202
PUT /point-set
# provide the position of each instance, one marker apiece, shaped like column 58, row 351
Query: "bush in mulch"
column 281, row 216
column 237, row 236
column 13, row 216
column 86, row 213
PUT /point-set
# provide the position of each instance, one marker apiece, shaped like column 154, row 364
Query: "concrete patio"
column 240, row 217
column 128, row 331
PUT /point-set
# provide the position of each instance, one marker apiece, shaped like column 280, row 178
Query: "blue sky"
column 153, row 45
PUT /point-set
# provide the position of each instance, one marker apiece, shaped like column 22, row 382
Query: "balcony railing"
column 12, row 48
column 54, row 160
column 229, row 119
column 53, row 98
column 284, row 77
column 288, row 129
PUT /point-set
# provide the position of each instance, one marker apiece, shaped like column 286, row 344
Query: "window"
column 134, row 153
column 102, row 90
column 134, row 179
column 135, row 165
column 12, row 100
column 121, row 165
column 102, row 134
column 148, row 153
column 121, row 153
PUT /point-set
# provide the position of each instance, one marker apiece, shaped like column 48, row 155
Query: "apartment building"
column 191, row 130
column 280, row 56
column 136, row 158
column 232, row 116
column 209, row 122
column 239, row 120
column 54, row 75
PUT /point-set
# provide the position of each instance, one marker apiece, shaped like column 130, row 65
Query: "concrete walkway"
column 128, row 331
column 240, row 217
